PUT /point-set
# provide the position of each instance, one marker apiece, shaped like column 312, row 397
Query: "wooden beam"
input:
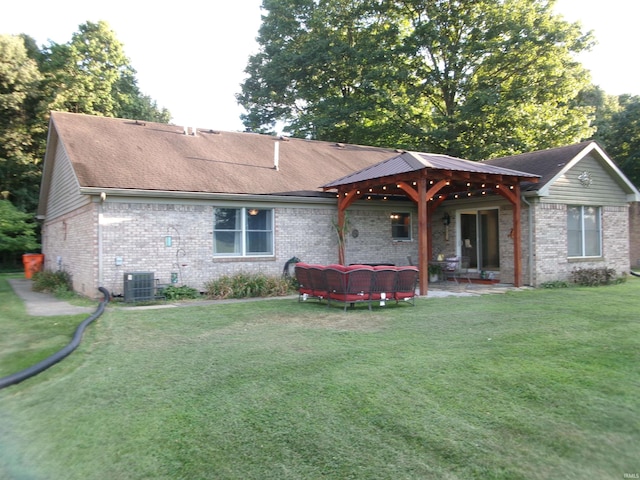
column 423, row 236
column 517, row 238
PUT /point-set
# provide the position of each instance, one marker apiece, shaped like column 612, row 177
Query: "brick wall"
column 69, row 243
column 551, row 243
column 134, row 235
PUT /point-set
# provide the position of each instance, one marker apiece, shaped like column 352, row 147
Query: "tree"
column 17, row 231
column 92, row 75
column 19, row 154
column 620, row 135
column 465, row 77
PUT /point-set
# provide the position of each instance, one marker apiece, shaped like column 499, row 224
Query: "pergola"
column 428, row 180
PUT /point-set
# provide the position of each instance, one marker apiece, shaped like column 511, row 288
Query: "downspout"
column 103, row 198
column 530, row 220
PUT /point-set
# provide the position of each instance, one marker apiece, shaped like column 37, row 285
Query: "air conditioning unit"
column 139, row 286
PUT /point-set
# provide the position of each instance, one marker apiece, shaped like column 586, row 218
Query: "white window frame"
column 396, row 216
column 581, row 231
column 243, row 232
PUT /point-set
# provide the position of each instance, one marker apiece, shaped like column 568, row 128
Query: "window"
column 401, row 226
column 242, row 232
column 584, row 231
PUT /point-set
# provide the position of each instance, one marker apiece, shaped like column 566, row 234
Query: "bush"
column 246, row 285
column 555, row 284
column 180, row 293
column 592, row 277
column 59, row 283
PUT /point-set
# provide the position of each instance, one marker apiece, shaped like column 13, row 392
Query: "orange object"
column 33, row 262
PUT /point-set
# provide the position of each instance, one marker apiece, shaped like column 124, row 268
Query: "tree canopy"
column 90, row 74
column 471, row 78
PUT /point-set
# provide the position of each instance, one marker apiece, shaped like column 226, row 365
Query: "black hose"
column 60, row 354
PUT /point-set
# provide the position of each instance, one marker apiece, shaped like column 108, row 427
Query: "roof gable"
column 552, row 164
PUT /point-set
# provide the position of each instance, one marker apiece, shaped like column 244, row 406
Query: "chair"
column 350, row 286
column 406, row 283
column 456, row 268
column 317, row 281
column 383, row 285
column 304, row 281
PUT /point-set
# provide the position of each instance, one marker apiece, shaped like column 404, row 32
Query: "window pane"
column 259, row 243
column 226, row 243
column 258, row 219
column 227, row 219
column 574, row 231
column 592, row 231
column 401, row 226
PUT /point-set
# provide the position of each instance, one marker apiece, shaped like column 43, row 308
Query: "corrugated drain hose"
column 60, row 354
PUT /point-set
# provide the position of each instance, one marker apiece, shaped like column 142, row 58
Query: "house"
column 189, row 205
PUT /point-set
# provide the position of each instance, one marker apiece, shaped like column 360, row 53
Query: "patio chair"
column 304, row 281
column 457, row 268
column 350, row 286
column 406, row 283
column 383, row 285
column 317, row 281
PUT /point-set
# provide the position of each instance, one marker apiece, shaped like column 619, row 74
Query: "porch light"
column 468, row 184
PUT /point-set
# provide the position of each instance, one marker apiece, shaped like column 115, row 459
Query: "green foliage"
column 246, row 285
column 19, row 152
column 555, row 284
column 90, row 74
column 592, row 277
column 180, row 293
column 619, row 133
column 47, row 281
column 467, row 78
column 17, row 230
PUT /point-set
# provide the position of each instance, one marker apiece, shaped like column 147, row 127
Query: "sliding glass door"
column 478, row 238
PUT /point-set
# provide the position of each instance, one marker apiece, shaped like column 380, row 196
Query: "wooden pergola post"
column 424, row 235
column 513, row 195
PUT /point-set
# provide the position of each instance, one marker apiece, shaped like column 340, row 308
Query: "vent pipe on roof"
column 276, row 156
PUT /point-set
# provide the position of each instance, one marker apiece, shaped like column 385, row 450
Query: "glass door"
column 478, row 238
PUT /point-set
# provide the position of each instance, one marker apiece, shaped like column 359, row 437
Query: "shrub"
column 180, row 293
column 246, row 285
column 555, row 284
column 592, row 277
column 59, row 283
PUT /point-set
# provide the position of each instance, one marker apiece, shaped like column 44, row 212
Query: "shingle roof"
column 415, row 161
column 125, row 154
column 545, row 163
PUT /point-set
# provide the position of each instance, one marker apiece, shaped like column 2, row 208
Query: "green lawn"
column 539, row 384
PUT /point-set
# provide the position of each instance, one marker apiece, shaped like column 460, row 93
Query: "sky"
column 190, row 57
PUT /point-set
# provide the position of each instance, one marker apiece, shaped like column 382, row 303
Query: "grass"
column 527, row 385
